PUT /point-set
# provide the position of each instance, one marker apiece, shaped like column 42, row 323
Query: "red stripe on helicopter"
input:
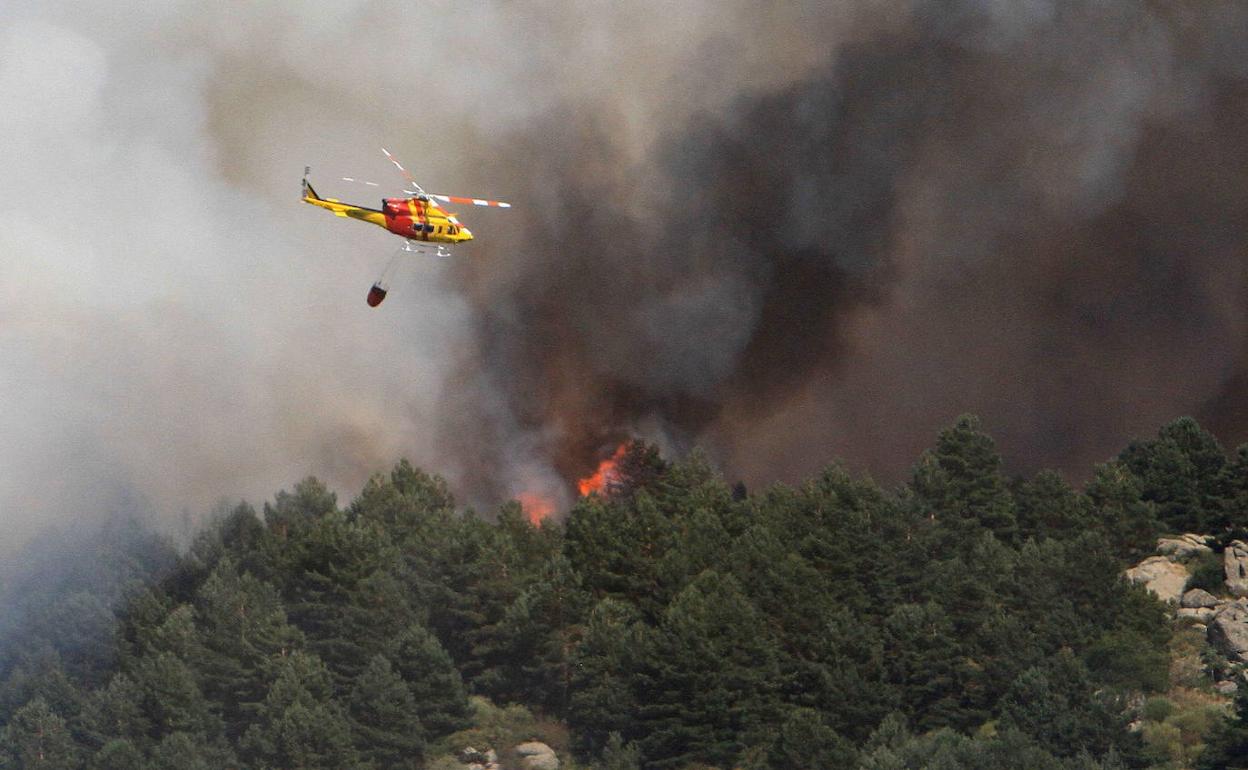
column 418, row 213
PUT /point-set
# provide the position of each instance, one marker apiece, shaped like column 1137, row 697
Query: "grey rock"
column 535, row 755
column 1198, row 597
column 1184, row 546
column 474, row 758
column 1199, row 614
column 1228, row 631
column 1235, row 565
column 1161, row 576
column 1226, row 687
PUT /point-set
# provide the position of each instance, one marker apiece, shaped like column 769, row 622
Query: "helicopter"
column 418, row 219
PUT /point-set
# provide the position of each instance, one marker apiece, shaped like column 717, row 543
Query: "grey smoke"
column 786, row 232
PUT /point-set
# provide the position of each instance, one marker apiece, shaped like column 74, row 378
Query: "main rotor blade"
column 470, row 201
column 404, row 172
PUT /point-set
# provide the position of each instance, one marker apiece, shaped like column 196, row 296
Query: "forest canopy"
column 967, row 618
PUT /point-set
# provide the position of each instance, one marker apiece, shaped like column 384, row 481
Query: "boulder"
column 1199, row 614
column 1228, row 631
column 1235, row 564
column 1161, row 576
column 471, row 756
column 1226, row 687
column 1184, row 546
column 1199, row 597
column 535, row 755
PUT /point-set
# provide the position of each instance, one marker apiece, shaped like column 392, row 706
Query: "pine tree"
column 36, row 737
column 974, row 589
column 407, row 502
column 539, row 632
column 841, row 676
column 115, row 712
column 806, row 740
column 1237, row 489
column 1048, row 507
column 39, row 673
column 1058, row 706
column 242, row 536
column 925, row 661
column 187, row 751
column 116, row 754
column 1129, row 522
column 707, row 688
column 342, row 592
column 299, row 724
column 603, row 663
column 960, row 482
column 440, row 703
column 176, row 635
column 1183, row 471
column 518, row 552
column 617, row 544
column 291, row 512
column 171, row 697
column 618, row 755
column 383, row 714
column 244, row 634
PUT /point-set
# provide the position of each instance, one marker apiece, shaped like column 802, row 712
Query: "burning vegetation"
column 608, row 475
column 605, row 475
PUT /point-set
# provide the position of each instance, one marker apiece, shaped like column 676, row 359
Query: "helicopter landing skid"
column 419, row 247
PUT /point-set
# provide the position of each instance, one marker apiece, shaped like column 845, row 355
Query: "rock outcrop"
column 1163, row 577
column 1228, row 631
column 478, row 760
column 1199, row 614
column 535, row 755
column 1199, row 597
column 1184, row 546
column 1235, row 564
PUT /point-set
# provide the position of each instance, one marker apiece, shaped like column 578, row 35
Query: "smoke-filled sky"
column 786, row 232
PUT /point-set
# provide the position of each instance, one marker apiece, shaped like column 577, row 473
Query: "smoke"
column 787, row 233
column 1030, row 211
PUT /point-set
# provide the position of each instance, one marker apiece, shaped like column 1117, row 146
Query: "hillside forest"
column 676, row 620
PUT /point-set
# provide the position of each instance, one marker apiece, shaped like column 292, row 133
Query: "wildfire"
column 538, row 507
column 605, row 474
column 535, row 506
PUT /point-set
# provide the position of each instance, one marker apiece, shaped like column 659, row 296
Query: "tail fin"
column 308, row 191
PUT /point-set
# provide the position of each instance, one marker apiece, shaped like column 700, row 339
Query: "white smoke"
column 175, row 323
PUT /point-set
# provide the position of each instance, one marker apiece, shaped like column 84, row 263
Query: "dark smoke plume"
column 1032, row 211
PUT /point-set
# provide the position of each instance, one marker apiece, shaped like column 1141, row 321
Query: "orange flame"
column 535, row 506
column 605, row 474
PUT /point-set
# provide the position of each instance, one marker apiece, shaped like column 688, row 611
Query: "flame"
column 605, row 474
column 536, row 506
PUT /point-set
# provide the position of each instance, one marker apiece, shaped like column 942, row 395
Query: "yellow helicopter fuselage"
column 415, row 219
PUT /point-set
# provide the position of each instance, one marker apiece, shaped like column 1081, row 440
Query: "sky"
column 786, row 232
